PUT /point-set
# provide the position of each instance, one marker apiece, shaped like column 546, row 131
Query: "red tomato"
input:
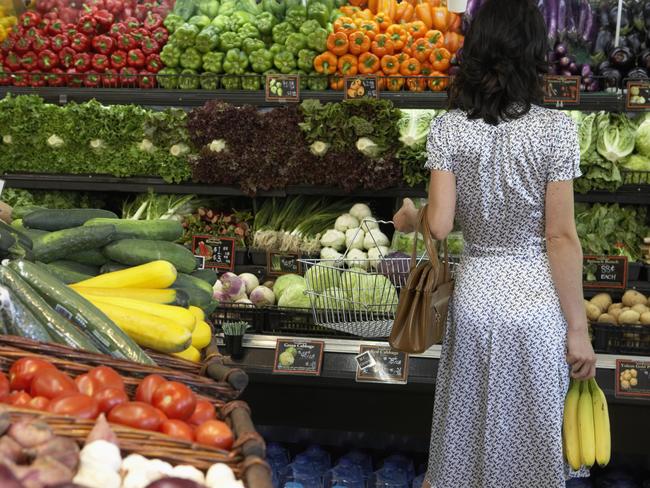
column 178, row 429
column 22, row 372
column 161, row 415
column 138, row 415
column 203, row 412
column 147, row 387
column 18, row 398
column 106, row 377
column 4, row 386
column 86, row 385
column 175, row 399
column 39, row 403
column 214, row 433
column 109, row 398
column 77, row 405
column 52, row 383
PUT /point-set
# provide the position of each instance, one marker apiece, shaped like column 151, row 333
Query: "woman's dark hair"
column 503, row 59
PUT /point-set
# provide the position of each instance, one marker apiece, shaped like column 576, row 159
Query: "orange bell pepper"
column 401, row 57
column 440, row 59
column 421, row 49
column 368, row 63
column 423, row 13
column 390, row 64
column 398, row 35
column 456, row 23
column 434, row 3
column 358, row 3
column 401, row 13
column 383, row 5
column 416, row 83
column 337, row 43
column 349, row 10
column 373, row 5
column 337, row 82
column 410, row 67
column 345, row 25
column 453, row 42
column 325, row 63
column 369, row 28
column 438, row 81
column 426, row 69
column 395, row 83
column 382, row 45
column 358, row 43
column 440, row 18
column 435, row 38
column 381, row 80
column 348, row 65
column 392, row 9
column 366, row 14
column 417, row 29
column 408, row 47
column 383, row 21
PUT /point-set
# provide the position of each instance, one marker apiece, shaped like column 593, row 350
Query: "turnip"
column 345, row 222
column 375, row 238
column 262, row 296
column 232, row 285
column 333, row 238
column 360, row 211
column 251, row 281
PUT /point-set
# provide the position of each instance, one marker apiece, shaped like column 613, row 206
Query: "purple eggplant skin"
column 590, row 27
column 603, row 15
column 561, row 19
column 561, row 49
column 604, row 43
column 582, row 17
column 565, row 62
column 594, row 86
column 611, row 77
column 626, row 25
column 622, row 58
column 586, row 71
column 573, row 67
column 552, row 57
column 646, row 15
column 643, row 60
column 552, row 15
column 638, row 74
column 634, row 42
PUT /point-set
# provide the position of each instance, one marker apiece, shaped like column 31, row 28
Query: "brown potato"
column 633, row 297
column 615, row 313
column 645, row 318
column 607, row 319
column 602, row 301
column 629, row 317
column 640, row 308
column 593, row 312
column 614, row 306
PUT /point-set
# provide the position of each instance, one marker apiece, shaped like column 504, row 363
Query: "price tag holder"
column 604, row 272
column 638, row 95
column 376, row 364
column 298, row 357
column 361, row 87
column 562, row 90
column 214, row 252
column 282, row 88
column 279, row 263
column 632, row 379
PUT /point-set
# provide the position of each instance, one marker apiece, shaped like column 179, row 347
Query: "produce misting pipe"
column 617, row 38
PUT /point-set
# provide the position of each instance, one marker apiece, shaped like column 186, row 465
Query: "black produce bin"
column 297, row 321
column 634, row 271
column 621, row 339
column 258, row 257
column 234, row 312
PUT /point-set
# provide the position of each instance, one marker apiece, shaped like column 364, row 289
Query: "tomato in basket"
column 106, row 377
column 77, row 405
column 52, row 383
column 4, row 386
column 175, row 400
column 18, row 399
column 39, row 403
column 147, row 387
column 108, row 398
column 178, row 429
column 23, row 371
column 86, row 385
column 214, row 433
column 203, row 412
column 138, row 415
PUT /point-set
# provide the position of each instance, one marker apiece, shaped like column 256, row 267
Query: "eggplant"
column 561, row 49
column 646, row 15
column 622, row 58
column 552, row 15
column 589, row 32
column 603, row 15
column 561, row 18
column 552, row 57
column 582, row 16
column 594, row 86
column 611, row 77
column 643, row 60
column 638, row 74
column 573, row 67
column 604, row 43
column 586, row 71
column 634, row 41
column 626, row 26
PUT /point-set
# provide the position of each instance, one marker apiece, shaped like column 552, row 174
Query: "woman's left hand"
column 405, row 220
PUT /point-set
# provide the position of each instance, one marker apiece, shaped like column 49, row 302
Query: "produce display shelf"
column 611, row 102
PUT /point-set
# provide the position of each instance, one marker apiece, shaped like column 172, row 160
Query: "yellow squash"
column 190, row 354
column 153, row 295
column 156, row 274
column 202, row 335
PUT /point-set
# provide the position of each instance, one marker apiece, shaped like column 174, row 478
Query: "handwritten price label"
column 562, row 90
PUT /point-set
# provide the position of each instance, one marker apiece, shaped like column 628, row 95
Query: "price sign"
column 298, row 357
column 279, row 263
column 283, row 88
column 561, row 90
column 632, row 379
column 376, row 364
column 604, row 272
column 361, row 87
column 638, row 95
column 214, row 252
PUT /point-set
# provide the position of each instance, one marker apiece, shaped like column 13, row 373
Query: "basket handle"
column 215, row 369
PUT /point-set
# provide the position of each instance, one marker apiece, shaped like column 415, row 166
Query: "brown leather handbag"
column 422, row 307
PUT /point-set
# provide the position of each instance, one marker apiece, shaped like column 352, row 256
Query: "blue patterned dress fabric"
column 502, row 376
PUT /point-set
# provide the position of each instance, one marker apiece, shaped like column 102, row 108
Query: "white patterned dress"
column 502, row 377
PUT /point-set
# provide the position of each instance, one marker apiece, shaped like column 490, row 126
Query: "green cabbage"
column 285, row 281
column 294, row 296
column 616, row 136
column 643, row 139
column 320, row 278
column 414, row 126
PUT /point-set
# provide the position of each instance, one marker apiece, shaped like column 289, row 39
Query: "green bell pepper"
column 293, row 3
column 228, row 8
column 213, row 62
column 319, row 13
column 241, row 18
column 250, row 82
column 285, row 62
column 329, row 4
column 317, row 82
column 170, row 55
column 296, row 15
column 261, row 60
column 276, row 48
column 308, row 27
column 248, row 31
column 302, row 79
column 188, row 80
column 209, row 8
column 173, row 22
column 167, row 78
column 209, row 81
column 281, row 32
column 185, row 35
column 207, row 40
column 235, row 62
column 340, row 3
column 231, row 82
column 184, row 9
column 296, row 42
column 265, row 22
column 222, row 23
column 317, row 40
column 275, row 7
column 191, row 59
column 250, row 45
column 306, row 59
column 229, row 40
column 335, row 14
column 201, row 21
column 250, row 6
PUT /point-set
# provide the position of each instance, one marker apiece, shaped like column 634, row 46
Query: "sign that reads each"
column 279, row 263
column 361, row 87
column 638, row 95
column 282, row 88
column 298, row 357
column 604, row 272
column 561, row 90
column 377, row 364
column 216, row 252
column 632, row 379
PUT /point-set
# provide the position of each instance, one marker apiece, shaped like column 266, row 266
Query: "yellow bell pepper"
column 3, row 33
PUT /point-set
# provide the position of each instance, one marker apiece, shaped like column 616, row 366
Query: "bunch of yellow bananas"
column 585, row 428
column 6, row 23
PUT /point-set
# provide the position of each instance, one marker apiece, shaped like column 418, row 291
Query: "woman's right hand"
column 580, row 354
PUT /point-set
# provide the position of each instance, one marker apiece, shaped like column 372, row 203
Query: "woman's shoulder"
column 552, row 116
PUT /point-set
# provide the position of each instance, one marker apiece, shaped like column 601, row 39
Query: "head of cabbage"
column 643, row 138
column 321, row 277
column 285, row 281
column 294, row 296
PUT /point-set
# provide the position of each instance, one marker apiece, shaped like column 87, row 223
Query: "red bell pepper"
column 132, row 23
column 92, row 79
column 136, row 58
column 68, row 15
column 104, row 19
column 146, row 80
column 43, row 25
column 95, row 4
column 150, row 46
column 8, row 44
column 12, row 60
column 37, row 79
column 44, row 6
column 30, row 19
column 79, row 43
column 31, row 33
column 5, row 76
column 41, row 43
column 114, row 6
column 110, row 79
column 23, row 45
column 56, row 77
column 118, row 60
column 153, row 21
column 128, row 76
column 82, row 62
column 58, row 42
column 141, row 12
column 126, row 42
column 70, row 30
column 154, row 64
column 73, row 78
column 29, row 61
column 66, row 57
column 47, row 60
column 139, row 35
column 103, row 44
column 160, row 35
column 87, row 25
column 100, row 62
column 21, row 78
column 117, row 30
column 55, row 27
column 52, row 15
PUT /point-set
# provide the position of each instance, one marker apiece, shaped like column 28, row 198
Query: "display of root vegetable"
column 634, row 309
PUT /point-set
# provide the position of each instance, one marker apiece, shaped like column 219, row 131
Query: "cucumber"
column 155, row 230
column 90, row 257
column 207, row 275
column 23, row 239
column 140, row 251
column 107, row 336
column 62, row 243
column 53, row 219
column 22, row 211
column 31, row 233
column 19, row 320
column 76, row 267
column 61, row 331
column 112, row 266
column 66, row 273
column 199, row 291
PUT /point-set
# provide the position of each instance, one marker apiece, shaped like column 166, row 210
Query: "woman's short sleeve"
column 564, row 158
column 438, row 146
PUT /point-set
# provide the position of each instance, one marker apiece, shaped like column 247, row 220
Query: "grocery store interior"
column 199, row 270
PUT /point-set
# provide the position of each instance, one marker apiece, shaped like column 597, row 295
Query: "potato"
column 626, row 376
column 633, row 297
column 614, row 306
column 602, row 301
column 634, row 373
column 629, row 317
column 593, row 312
column 640, row 308
column 607, row 319
column 645, row 318
column 625, row 309
column 615, row 313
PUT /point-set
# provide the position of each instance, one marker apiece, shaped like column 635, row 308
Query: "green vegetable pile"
column 414, row 129
column 19, row 199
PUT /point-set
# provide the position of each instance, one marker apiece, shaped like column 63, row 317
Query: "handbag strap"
column 429, row 243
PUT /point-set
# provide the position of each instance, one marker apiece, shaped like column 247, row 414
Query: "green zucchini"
column 20, row 212
column 54, row 219
column 155, row 230
column 62, row 243
column 77, row 267
column 140, row 251
column 208, row 275
column 22, row 238
column 108, row 337
column 18, row 319
column 90, row 257
column 199, row 291
column 31, row 233
column 65, row 273
column 112, row 266
column 61, row 331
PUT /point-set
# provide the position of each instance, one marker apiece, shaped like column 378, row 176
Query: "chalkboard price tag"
column 638, row 95
column 376, row 364
column 298, row 357
column 562, row 90
column 217, row 252
column 279, row 263
column 361, row 87
column 282, row 88
column 604, row 272
column 632, row 379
